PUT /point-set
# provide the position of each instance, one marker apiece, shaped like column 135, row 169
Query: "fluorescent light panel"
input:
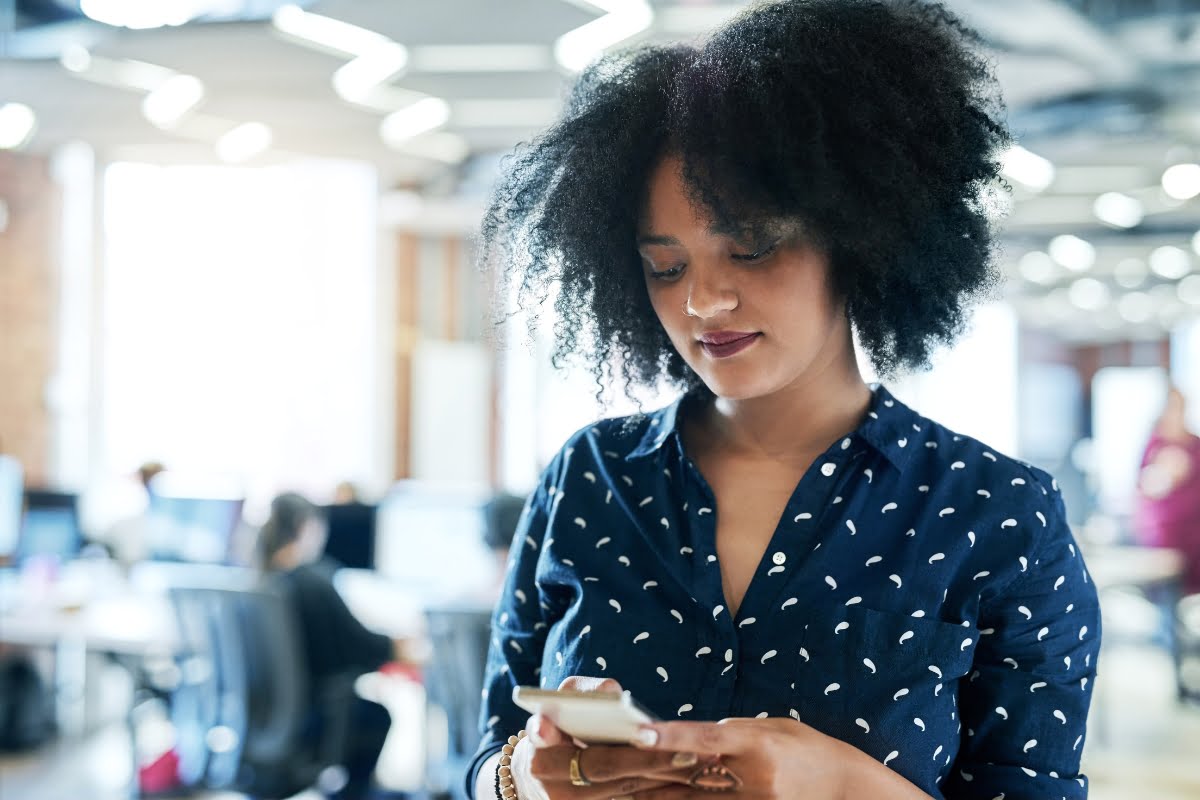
column 1026, row 168
column 1182, row 181
column 355, row 80
column 144, row 14
column 326, row 33
column 172, row 100
column 577, row 48
column 420, row 117
column 1119, row 209
column 1170, row 262
column 1072, row 252
column 244, row 142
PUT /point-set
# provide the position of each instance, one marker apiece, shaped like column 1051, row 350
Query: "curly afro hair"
column 874, row 124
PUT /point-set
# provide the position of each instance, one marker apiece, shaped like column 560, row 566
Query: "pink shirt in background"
column 1174, row 519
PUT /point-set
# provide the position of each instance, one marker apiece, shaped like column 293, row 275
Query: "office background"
column 236, row 238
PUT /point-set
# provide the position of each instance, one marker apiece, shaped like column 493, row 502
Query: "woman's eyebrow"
column 652, row 239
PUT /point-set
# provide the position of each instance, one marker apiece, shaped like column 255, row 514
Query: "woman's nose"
column 708, row 296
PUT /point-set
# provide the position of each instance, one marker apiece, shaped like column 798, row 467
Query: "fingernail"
column 535, row 736
column 647, row 737
column 684, row 760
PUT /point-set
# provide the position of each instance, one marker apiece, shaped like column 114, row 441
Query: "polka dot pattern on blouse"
column 922, row 599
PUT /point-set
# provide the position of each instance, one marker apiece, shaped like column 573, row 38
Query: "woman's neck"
column 797, row 422
column 1173, row 431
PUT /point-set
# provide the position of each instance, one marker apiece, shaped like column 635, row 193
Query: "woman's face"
column 751, row 317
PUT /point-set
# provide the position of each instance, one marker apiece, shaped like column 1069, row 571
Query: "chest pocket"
column 862, row 667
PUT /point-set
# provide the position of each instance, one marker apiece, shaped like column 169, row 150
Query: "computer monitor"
column 350, row 538
column 429, row 539
column 49, row 526
column 195, row 529
column 12, row 485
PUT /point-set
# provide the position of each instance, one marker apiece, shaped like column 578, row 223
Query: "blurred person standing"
column 335, row 643
column 1168, row 513
column 131, row 538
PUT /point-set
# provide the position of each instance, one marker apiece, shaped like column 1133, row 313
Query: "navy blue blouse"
column 922, row 599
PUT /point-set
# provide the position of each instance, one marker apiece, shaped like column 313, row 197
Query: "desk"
column 89, row 608
column 1139, row 589
column 1133, row 567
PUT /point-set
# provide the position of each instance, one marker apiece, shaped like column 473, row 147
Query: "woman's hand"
column 541, row 763
column 771, row 758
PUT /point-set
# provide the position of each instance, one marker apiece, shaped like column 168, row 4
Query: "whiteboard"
column 451, row 410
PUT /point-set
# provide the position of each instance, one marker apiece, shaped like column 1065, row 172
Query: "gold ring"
column 577, row 776
column 715, row 777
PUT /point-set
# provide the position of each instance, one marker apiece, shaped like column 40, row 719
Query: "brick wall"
column 28, row 290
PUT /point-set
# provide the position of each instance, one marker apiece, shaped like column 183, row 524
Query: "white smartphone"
column 591, row 717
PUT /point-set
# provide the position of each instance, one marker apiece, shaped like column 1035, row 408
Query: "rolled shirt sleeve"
column 1024, row 708
column 519, row 625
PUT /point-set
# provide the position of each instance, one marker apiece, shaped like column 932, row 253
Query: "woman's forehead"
column 671, row 206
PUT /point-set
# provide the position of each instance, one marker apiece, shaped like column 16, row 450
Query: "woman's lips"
column 724, row 345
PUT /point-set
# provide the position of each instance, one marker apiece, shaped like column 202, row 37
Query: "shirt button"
column 827, row 469
column 779, row 558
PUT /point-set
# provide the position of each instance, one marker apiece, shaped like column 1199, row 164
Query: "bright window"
column 239, row 325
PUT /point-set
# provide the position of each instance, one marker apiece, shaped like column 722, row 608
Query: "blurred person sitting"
column 501, row 515
column 346, row 493
column 335, row 643
column 1168, row 513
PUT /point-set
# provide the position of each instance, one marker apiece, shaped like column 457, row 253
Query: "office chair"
column 454, row 682
column 242, row 722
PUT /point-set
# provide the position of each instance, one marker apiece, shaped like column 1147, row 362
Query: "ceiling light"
column 1182, row 181
column 1037, row 267
column 17, row 123
column 420, row 117
column 1118, row 209
column 174, row 98
column 1170, row 262
column 355, row 80
column 577, row 48
column 1072, row 252
column 1135, row 307
column 326, row 33
column 142, row 14
column 1189, row 290
column 1089, row 294
column 1028, row 169
column 244, row 142
column 1130, row 273
column 123, row 73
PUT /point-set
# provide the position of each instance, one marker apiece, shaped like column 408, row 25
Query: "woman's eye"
column 666, row 274
column 759, row 254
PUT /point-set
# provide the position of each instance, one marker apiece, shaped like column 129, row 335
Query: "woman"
column 1169, row 488
column 869, row 604
column 336, row 645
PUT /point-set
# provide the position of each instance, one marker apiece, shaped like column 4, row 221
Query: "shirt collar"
column 661, row 425
column 890, row 427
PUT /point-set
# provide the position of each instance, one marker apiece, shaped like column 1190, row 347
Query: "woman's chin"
column 735, row 385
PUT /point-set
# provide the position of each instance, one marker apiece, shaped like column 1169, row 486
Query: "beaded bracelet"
column 506, row 787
